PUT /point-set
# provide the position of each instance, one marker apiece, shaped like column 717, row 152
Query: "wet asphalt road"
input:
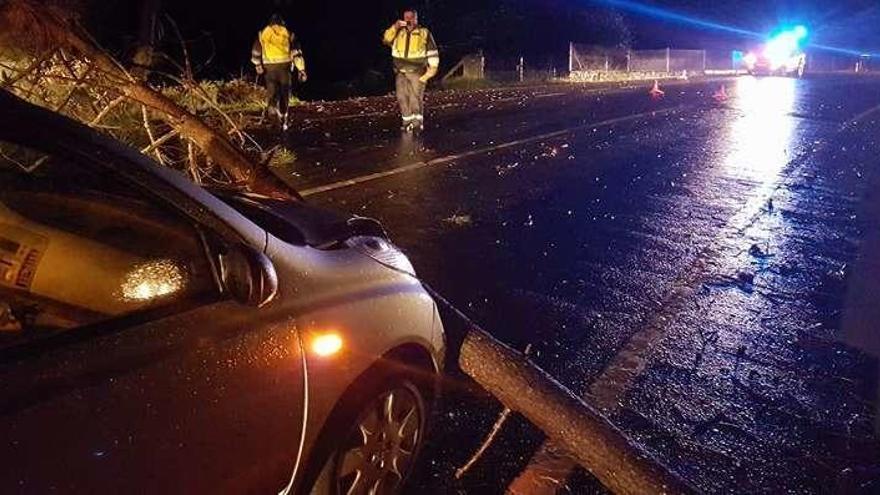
column 704, row 271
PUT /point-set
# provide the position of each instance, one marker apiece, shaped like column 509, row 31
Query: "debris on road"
column 458, row 220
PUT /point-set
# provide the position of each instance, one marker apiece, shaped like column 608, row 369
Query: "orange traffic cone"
column 721, row 95
column 656, row 92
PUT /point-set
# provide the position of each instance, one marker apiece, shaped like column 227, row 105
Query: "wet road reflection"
column 759, row 138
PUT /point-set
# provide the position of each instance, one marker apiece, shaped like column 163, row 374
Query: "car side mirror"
column 248, row 276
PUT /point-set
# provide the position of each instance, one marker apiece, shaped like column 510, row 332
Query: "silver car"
column 159, row 338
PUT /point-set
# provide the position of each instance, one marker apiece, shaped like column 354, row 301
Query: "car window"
column 78, row 247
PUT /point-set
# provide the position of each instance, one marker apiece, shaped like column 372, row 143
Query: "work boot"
column 418, row 124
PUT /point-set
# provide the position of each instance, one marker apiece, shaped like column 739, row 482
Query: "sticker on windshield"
column 20, row 255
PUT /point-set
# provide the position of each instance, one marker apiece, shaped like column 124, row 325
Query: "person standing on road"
column 416, row 60
column 276, row 53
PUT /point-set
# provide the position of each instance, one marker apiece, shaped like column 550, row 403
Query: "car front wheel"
column 379, row 450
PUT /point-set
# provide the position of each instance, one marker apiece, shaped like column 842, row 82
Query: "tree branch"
column 160, row 141
column 109, row 108
column 153, row 145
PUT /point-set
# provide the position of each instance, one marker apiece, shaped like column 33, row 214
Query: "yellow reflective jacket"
column 412, row 49
column 276, row 45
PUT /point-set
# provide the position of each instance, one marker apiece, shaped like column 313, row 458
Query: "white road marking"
column 549, row 95
column 483, row 150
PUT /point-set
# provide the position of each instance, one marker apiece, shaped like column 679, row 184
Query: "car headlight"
column 382, row 251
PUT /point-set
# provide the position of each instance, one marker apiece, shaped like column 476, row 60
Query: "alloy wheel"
column 380, row 450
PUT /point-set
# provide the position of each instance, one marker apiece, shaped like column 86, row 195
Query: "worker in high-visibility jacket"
column 416, row 60
column 277, row 53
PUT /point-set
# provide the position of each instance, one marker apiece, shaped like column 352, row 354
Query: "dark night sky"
column 341, row 39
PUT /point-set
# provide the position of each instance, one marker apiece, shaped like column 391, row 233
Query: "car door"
column 123, row 367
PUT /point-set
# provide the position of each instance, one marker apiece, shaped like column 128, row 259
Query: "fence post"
column 520, row 69
column 628, row 58
column 570, row 58
column 668, row 55
column 704, row 61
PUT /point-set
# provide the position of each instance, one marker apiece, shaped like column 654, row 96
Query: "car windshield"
column 266, row 217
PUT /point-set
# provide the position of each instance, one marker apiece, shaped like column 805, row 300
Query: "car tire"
column 385, row 433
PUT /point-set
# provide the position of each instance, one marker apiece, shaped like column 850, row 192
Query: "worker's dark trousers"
column 278, row 87
column 411, row 96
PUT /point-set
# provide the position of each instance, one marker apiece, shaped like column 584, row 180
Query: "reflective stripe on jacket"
column 414, row 48
column 276, row 45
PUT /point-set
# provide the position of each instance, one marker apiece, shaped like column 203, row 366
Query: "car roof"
column 29, row 125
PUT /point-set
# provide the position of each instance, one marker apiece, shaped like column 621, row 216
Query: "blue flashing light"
column 799, row 32
column 669, row 15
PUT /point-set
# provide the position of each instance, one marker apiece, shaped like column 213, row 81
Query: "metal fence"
column 500, row 68
column 590, row 62
column 598, row 63
column 597, row 58
column 723, row 60
column 588, row 58
column 832, row 62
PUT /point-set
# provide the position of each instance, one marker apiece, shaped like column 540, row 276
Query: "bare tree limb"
column 77, row 86
column 191, row 160
column 198, row 91
column 502, row 418
column 149, row 130
column 160, row 141
column 109, row 108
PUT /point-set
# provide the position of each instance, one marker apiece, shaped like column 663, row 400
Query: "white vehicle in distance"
column 782, row 55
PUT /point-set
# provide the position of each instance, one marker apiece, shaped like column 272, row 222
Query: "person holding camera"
column 276, row 53
column 416, row 60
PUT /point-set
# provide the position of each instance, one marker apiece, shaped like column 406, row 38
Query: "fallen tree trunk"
column 595, row 443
